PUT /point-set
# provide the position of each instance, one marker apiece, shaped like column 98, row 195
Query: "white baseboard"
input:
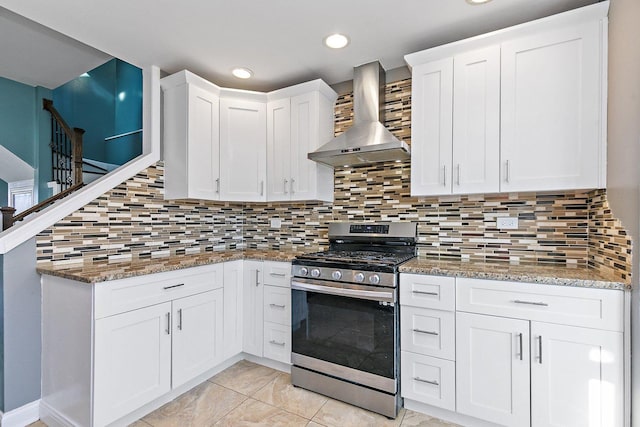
column 22, row 416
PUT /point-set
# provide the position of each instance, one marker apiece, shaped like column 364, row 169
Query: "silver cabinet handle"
column 538, row 303
column 257, row 277
column 180, row 319
column 444, row 175
column 425, row 293
column 540, row 349
column 277, row 274
column 458, row 175
column 218, row 185
column 277, row 306
column 261, row 187
column 426, row 381
column 507, row 175
column 519, row 346
column 422, row 331
column 285, row 186
column 168, row 330
column 292, row 181
column 173, row 286
column 274, row 342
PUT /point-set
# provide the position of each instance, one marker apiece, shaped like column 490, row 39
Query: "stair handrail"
column 43, row 204
column 75, row 135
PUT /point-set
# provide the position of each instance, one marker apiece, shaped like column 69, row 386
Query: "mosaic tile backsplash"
column 134, row 221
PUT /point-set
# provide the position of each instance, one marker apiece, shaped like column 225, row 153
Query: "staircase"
column 66, row 165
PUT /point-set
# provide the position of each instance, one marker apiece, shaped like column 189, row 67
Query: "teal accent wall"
column 25, row 131
column 105, row 102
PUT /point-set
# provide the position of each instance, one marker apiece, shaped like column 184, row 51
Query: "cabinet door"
column 304, row 139
column 243, row 150
column 431, row 128
column 197, row 335
column 552, row 110
column 476, row 121
column 279, row 150
column 132, row 361
column 191, row 143
column 576, row 376
column 233, row 308
column 253, row 308
column 492, row 368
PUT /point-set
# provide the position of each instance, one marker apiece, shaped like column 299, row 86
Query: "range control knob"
column 337, row 275
column 303, row 271
column 374, row 279
column 315, row 272
column 359, row 277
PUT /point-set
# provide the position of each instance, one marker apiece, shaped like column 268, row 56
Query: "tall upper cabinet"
column 519, row 109
column 191, row 137
column 236, row 145
column 299, row 120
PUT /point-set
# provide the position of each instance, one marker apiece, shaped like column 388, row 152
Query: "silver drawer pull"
column 277, row 274
column 425, row 293
column 541, row 304
column 281, row 344
column 422, row 331
column 277, row 306
column 173, row 286
column 426, row 381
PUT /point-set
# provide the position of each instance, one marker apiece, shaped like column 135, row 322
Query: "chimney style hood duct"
column 367, row 140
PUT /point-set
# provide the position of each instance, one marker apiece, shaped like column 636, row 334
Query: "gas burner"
column 365, row 257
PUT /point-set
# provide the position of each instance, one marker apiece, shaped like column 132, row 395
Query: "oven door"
column 347, row 331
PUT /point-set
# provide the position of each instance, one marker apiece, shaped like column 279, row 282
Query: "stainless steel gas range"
column 345, row 338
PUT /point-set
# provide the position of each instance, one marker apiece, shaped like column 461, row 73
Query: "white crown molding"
column 26, row 229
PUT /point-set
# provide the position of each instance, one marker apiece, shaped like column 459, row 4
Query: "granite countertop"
column 114, row 270
column 543, row 274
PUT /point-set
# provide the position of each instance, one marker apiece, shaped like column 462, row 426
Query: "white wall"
column 623, row 171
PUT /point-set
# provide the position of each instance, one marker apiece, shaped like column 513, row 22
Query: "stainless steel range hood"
column 367, row 141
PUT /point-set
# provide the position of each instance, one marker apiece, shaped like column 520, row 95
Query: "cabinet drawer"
column 591, row 308
column 277, row 342
column 277, row 305
column 428, row 332
column 428, row 380
column 277, row 273
column 119, row 296
column 419, row 290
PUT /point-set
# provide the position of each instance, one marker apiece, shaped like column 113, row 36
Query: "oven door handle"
column 383, row 296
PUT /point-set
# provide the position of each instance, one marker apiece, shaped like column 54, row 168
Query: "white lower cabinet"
column 253, row 296
column 576, row 376
column 233, row 308
column 492, row 376
column 277, row 342
column 132, row 361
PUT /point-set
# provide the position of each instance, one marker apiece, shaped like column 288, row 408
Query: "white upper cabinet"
column 520, row 109
column 243, row 149
column 552, row 106
column 299, row 120
column 431, row 127
column 476, row 121
column 236, row 145
column 191, row 137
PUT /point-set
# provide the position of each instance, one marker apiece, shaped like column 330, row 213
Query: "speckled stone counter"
column 543, row 274
column 104, row 271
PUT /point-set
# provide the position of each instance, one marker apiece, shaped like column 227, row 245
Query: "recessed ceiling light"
column 336, row 41
column 477, row 1
column 242, row 73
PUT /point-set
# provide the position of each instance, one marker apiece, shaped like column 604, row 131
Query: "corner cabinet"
column 236, row 145
column 243, row 149
column 520, row 109
column 299, row 120
column 191, row 137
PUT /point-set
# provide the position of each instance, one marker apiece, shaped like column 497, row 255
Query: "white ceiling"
column 280, row 40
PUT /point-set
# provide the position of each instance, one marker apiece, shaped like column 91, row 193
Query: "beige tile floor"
column 247, row 394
